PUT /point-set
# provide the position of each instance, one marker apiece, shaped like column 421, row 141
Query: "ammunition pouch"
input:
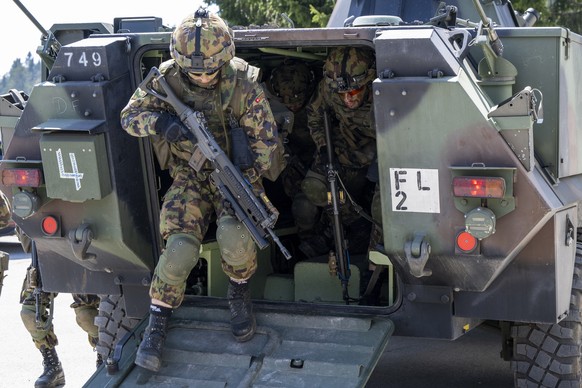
column 242, row 156
column 162, row 151
column 279, row 161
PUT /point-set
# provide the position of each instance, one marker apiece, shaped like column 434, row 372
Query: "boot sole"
column 246, row 337
column 148, row 363
column 58, row 383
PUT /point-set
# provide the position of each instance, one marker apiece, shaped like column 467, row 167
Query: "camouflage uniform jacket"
column 352, row 131
column 236, row 95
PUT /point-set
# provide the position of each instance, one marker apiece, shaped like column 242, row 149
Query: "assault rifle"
column 256, row 214
column 341, row 251
column 35, row 282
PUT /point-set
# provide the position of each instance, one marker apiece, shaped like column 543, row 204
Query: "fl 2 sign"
column 414, row 190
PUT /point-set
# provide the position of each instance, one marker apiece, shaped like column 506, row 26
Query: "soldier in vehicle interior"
column 345, row 94
column 292, row 84
column 86, row 309
column 204, row 73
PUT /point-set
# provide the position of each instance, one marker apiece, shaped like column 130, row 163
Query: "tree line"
column 301, row 13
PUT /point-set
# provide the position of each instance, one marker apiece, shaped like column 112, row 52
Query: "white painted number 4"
column 415, row 190
column 75, row 174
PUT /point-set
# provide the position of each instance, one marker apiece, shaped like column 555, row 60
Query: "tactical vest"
column 218, row 106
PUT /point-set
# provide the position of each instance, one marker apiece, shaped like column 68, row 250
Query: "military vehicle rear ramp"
column 290, row 349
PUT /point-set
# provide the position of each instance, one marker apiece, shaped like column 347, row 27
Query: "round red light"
column 49, row 225
column 466, row 242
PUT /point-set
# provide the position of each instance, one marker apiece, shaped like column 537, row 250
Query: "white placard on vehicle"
column 415, row 190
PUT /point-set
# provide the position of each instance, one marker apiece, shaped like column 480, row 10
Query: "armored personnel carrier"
column 477, row 122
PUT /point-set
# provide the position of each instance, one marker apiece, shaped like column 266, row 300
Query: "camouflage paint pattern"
column 348, row 68
column 190, row 201
column 216, row 45
column 188, row 207
column 240, row 97
column 5, row 218
column 5, row 214
column 352, row 131
column 292, row 84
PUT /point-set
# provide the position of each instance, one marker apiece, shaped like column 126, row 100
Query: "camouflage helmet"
column 202, row 43
column 348, row 68
column 293, row 82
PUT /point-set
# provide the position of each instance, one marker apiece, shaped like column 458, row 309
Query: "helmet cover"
column 202, row 43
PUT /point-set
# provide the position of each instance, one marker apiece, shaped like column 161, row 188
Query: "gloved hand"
column 171, row 128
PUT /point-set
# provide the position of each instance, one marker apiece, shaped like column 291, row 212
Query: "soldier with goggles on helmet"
column 207, row 76
column 345, row 95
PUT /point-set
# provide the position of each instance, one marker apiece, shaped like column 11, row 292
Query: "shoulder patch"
column 260, row 98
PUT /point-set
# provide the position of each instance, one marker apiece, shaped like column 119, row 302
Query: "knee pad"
column 305, row 213
column 85, row 316
column 28, row 316
column 179, row 257
column 377, row 207
column 236, row 245
column 314, row 186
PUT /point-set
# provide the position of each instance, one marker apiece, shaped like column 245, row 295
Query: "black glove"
column 171, row 128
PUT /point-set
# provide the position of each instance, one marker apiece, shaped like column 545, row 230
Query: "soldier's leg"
column 4, row 259
column 311, row 222
column 184, row 220
column 86, row 307
column 42, row 335
column 239, row 263
column 371, row 282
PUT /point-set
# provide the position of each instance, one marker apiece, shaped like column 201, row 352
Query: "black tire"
column 113, row 323
column 550, row 355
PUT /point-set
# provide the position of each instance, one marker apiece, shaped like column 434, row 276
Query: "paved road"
column 472, row 361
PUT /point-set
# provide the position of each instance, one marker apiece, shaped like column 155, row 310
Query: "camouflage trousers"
column 190, row 205
column 86, row 308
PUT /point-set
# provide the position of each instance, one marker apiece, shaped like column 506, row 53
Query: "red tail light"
column 466, row 242
column 22, row 177
column 479, row 187
column 49, row 225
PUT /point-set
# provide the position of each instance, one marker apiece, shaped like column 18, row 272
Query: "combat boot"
column 53, row 375
column 242, row 320
column 99, row 360
column 149, row 353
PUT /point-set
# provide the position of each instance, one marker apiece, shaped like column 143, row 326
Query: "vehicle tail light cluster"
column 22, row 177
column 479, row 187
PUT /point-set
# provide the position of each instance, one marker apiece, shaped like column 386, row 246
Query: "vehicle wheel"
column 549, row 355
column 113, row 323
